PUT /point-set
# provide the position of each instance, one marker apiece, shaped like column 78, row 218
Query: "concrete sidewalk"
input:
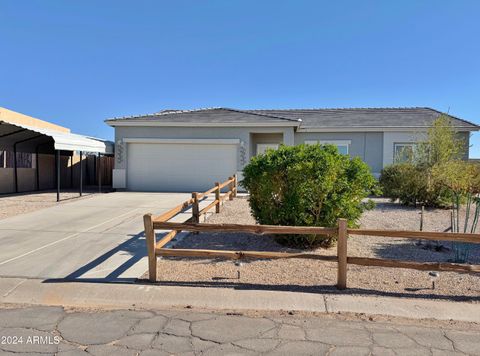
column 122, row 296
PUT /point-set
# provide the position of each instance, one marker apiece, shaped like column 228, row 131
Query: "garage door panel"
column 178, row 167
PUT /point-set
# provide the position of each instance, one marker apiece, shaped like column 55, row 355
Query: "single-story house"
column 189, row 150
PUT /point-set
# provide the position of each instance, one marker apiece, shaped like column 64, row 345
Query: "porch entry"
column 261, row 142
column 263, row 147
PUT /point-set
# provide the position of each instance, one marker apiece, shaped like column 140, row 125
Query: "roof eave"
column 154, row 123
column 378, row 128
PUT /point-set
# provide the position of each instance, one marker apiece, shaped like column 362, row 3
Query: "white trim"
column 400, row 144
column 149, row 123
column 185, row 141
column 119, row 178
column 389, row 139
column 336, row 142
column 262, row 147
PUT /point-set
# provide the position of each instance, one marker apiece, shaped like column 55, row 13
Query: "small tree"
column 463, row 180
column 441, row 144
column 413, row 181
column 307, row 185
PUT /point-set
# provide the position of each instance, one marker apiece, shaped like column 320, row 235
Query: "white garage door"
column 175, row 167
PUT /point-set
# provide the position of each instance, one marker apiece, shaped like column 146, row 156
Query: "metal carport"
column 22, row 138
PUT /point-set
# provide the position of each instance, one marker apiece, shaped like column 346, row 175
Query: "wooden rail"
column 342, row 232
column 239, row 255
column 424, row 235
column 253, row 229
column 153, row 246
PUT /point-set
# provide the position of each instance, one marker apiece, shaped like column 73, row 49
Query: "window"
column 24, row 160
column 262, row 147
column 403, row 152
column 343, row 146
column 3, row 163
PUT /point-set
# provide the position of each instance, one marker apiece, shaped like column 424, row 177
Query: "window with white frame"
column 343, row 146
column 263, row 147
column 403, row 151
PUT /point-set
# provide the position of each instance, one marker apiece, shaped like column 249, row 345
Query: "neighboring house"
column 31, row 150
column 176, row 150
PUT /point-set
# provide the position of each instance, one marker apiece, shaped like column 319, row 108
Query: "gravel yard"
column 316, row 276
column 16, row 204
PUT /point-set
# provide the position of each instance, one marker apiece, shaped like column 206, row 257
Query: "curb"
column 128, row 296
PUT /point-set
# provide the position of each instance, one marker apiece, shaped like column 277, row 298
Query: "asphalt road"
column 97, row 238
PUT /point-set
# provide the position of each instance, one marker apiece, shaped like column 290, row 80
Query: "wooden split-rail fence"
column 156, row 248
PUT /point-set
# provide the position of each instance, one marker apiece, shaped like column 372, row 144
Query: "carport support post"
column 71, row 170
column 15, row 167
column 342, row 254
column 57, row 162
column 99, row 173
column 81, row 173
column 151, row 245
column 37, row 172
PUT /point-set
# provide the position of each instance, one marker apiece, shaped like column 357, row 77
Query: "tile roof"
column 211, row 116
column 416, row 117
column 366, row 117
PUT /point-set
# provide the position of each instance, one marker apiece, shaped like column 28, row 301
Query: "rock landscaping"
column 16, row 204
column 317, row 276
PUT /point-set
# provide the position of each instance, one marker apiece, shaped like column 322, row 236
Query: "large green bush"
column 412, row 185
column 307, row 185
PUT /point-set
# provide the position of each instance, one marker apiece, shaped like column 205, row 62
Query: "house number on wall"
column 119, row 152
column 243, row 154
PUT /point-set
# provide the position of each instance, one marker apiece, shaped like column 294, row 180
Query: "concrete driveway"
column 98, row 238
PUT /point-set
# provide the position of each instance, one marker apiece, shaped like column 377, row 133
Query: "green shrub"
column 307, row 185
column 413, row 185
column 418, row 181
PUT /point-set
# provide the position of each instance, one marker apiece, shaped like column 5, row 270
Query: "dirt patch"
column 11, row 205
column 316, row 276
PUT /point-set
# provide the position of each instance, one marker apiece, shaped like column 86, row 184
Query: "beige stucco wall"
column 6, row 180
column 22, row 119
column 27, row 176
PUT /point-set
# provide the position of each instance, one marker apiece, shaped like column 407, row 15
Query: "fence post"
column 235, row 184
column 195, row 209
column 217, row 197
column 342, row 254
column 231, row 188
column 151, row 244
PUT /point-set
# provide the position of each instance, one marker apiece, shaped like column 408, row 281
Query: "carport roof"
column 28, row 138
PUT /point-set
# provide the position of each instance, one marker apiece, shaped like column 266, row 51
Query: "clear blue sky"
column 77, row 63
